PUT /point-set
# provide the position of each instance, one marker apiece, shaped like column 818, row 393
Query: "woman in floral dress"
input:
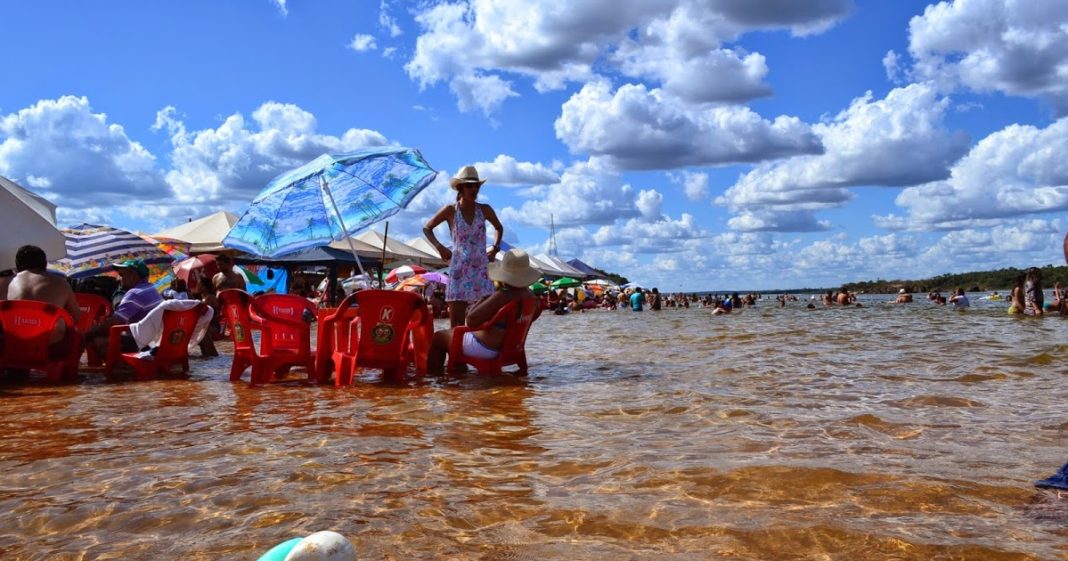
column 468, row 258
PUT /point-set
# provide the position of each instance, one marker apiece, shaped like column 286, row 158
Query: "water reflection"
column 882, row 432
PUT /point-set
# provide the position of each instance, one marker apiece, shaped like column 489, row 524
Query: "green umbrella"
column 565, row 282
column 538, row 288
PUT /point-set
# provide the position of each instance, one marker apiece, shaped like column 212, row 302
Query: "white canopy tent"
column 563, row 266
column 395, row 248
column 28, row 219
column 205, row 234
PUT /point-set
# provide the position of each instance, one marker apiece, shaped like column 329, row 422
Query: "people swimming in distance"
column 1016, row 298
column 959, row 299
column 903, row 297
column 1033, row 297
column 1058, row 305
column 722, row 306
column 936, row 298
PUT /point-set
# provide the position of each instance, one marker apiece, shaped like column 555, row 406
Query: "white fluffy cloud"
column 236, row 160
column 590, row 192
column 694, row 185
column 639, row 128
column 554, row 43
column 897, row 141
column 1018, row 171
column 642, row 235
column 75, row 157
column 506, row 170
column 1011, row 46
column 362, row 42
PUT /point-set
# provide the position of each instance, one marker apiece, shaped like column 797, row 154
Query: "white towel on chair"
column 149, row 331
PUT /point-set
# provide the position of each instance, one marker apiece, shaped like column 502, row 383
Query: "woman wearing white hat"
column 513, row 276
column 468, row 257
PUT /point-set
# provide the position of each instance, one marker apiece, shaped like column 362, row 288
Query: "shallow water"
column 875, row 433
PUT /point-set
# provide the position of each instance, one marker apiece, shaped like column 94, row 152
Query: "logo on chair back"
column 382, row 333
column 21, row 320
column 176, row 336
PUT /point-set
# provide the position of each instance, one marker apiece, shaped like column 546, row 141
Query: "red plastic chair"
column 178, row 328
column 324, row 339
column 25, row 329
column 380, row 334
column 95, row 309
column 513, row 348
column 285, row 337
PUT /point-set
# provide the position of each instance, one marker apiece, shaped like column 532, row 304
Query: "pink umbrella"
column 403, row 272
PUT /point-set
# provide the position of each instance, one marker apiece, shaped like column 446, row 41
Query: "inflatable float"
column 320, row 546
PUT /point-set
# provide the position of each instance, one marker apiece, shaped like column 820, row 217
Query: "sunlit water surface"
column 875, row 433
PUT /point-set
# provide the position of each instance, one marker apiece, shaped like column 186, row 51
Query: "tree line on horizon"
column 977, row 281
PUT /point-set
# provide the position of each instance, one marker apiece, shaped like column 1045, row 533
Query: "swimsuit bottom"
column 475, row 349
column 1014, row 310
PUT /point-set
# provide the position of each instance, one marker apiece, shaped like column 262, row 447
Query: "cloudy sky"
column 686, row 144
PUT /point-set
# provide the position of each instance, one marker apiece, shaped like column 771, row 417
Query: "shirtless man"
column 227, row 277
column 33, row 282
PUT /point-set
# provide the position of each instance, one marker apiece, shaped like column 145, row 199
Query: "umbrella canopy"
column 205, row 264
column 91, row 250
column 565, row 282
column 205, row 234
column 295, row 211
column 440, row 278
column 411, row 284
column 539, row 288
column 27, row 219
column 401, row 273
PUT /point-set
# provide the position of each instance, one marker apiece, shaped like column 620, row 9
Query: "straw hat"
column 513, row 269
column 467, row 174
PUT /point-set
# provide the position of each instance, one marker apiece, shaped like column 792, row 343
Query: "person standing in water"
column 468, row 258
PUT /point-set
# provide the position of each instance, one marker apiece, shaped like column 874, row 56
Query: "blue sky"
column 689, row 145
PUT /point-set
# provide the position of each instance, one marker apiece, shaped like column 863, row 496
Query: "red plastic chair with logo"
column 518, row 316
column 285, row 336
column 285, row 320
column 95, row 309
column 178, row 328
column 26, row 327
column 379, row 335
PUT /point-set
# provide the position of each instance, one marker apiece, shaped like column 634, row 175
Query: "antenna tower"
column 552, row 237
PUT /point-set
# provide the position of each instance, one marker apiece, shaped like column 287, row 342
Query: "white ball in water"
column 323, row 546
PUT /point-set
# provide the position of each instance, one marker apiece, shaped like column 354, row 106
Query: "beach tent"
column 545, row 267
column 580, row 265
column 421, row 244
column 563, row 266
column 28, row 218
column 205, row 234
column 395, row 248
column 552, row 264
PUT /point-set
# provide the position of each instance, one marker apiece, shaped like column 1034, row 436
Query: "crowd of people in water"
column 1026, row 297
column 479, row 286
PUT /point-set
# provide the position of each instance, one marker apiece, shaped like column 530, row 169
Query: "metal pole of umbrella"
column 382, row 269
column 352, row 246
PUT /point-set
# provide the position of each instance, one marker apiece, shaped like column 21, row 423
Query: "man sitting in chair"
column 512, row 277
column 34, row 282
column 140, row 298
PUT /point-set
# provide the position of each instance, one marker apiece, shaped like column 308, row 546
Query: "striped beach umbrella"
column 91, row 249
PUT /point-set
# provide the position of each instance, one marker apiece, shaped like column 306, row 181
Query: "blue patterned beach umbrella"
column 296, row 212
column 91, row 250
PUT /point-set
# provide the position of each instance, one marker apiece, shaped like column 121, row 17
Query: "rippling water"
column 875, row 433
